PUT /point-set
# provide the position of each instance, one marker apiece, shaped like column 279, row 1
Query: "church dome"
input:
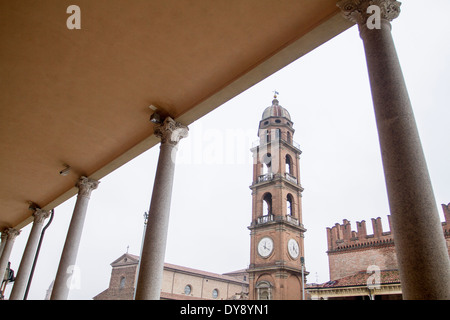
column 275, row 110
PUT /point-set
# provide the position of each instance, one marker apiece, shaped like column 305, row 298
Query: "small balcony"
column 292, row 220
column 266, row 177
column 290, row 177
column 271, row 176
column 265, row 219
column 268, row 218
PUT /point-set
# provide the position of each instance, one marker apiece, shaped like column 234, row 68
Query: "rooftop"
column 360, row 279
column 131, row 259
column 275, row 110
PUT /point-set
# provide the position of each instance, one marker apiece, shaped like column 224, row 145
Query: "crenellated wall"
column 351, row 251
column 341, row 236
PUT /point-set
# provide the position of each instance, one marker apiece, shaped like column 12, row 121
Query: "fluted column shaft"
column 423, row 259
column 61, row 286
column 154, row 247
column 23, row 274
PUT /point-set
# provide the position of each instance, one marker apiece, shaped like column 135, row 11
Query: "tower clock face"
column 293, row 248
column 265, row 247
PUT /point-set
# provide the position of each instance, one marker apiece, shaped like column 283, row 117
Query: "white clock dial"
column 265, row 247
column 293, row 248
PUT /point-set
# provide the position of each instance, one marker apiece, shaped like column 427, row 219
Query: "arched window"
column 289, row 205
column 289, row 137
column 263, row 290
column 122, row 283
column 267, row 204
column 288, row 164
column 267, row 163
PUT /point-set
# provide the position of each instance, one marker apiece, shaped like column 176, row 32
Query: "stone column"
column 11, row 237
column 423, row 259
column 61, row 286
column 23, row 274
column 154, row 248
column 3, row 242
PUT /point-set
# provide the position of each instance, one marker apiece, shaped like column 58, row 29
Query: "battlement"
column 341, row 237
column 351, row 251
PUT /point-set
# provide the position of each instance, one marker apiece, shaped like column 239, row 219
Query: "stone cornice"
column 363, row 245
column 391, row 288
column 279, row 266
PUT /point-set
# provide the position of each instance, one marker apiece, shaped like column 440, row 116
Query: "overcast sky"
column 328, row 96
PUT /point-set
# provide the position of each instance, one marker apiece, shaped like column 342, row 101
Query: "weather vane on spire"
column 275, row 93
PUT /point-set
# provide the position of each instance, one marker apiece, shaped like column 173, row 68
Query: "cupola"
column 275, row 110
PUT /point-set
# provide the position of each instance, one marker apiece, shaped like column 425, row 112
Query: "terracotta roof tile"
column 360, row 279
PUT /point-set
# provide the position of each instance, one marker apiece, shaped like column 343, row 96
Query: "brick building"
column 179, row 283
column 362, row 265
column 352, row 251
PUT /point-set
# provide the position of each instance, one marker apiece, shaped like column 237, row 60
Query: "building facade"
column 352, row 251
column 179, row 283
column 277, row 231
column 365, row 266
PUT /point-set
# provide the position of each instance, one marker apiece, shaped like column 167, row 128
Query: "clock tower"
column 276, row 230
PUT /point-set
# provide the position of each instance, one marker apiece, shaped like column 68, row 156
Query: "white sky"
column 328, row 96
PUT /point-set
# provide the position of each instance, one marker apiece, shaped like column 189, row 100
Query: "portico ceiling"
column 82, row 97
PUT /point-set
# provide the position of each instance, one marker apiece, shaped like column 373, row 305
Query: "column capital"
column 356, row 10
column 12, row 233
column 40, row 215
column 171, row 131
column 86, row 185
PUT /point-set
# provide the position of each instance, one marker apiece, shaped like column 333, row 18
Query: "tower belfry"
column 277, row 231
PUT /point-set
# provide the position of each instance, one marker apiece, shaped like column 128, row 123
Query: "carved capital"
column 171, row 131
column 40, row 215
column 86, row 185
column 12, row 233
column 356, row 10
